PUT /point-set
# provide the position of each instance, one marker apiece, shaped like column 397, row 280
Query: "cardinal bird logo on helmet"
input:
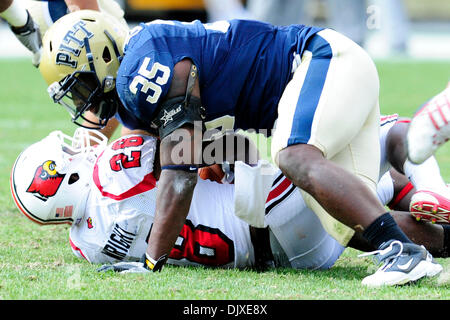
column 46, row 181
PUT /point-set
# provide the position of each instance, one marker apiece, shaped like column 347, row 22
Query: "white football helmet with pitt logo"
column 81, row 54
column 51, row 178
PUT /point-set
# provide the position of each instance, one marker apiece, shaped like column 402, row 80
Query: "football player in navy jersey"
column 314, row 90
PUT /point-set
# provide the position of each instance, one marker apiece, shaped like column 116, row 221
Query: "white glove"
column 124, row 267
column 30, row 36
column 252, row 186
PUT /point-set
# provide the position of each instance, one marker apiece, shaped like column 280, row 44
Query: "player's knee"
column 395, row 145
column 298, row 163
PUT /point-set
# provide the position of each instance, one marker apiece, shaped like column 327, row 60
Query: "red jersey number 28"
column 121, row 160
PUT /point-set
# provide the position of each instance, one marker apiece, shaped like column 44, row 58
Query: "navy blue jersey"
column 243, row 68
column 56, row 9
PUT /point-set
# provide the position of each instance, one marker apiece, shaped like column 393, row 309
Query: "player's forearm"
column 175, row 190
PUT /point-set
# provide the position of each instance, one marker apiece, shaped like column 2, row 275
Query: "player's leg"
column 74, row 5
column 113, row 8
column 436, row 238
column 431, row 201
column 13, row 12
column 430, row 128
column 23, row 26
column 332, row 99
column 327, row 132
column 298, row 239
column 396, row 191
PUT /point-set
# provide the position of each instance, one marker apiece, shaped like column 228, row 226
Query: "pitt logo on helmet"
column 46, row 181
column 72, row 43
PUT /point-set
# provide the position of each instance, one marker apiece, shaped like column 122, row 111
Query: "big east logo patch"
column 46, row 181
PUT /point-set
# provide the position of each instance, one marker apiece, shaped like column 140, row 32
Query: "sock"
column 446, row 249
column 426, row 176
column 383, row 229
column 16, row 15
column 403, row 193
column 385, row 188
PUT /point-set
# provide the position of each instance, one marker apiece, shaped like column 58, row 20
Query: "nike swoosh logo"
column 406, row 265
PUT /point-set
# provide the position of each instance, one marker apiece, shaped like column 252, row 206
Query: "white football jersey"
column 386, row 123
column 121, row 206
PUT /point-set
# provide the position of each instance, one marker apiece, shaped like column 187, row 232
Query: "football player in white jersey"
column 112, row 203
column 108, row 196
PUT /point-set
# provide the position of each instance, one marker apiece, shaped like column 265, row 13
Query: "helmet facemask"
column 81, row 92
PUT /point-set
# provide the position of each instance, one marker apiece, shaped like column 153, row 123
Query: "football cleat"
column 429, row 128
column 430, row 206
column 402, row 263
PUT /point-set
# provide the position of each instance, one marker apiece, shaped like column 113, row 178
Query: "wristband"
column 187, row 168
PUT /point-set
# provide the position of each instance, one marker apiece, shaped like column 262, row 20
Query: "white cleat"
column 429, row 128
column 402, row 263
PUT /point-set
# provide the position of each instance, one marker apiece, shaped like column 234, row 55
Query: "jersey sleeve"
column 145, row 74
column 125, row 168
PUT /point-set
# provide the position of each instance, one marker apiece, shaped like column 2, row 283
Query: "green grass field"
column 37, row 262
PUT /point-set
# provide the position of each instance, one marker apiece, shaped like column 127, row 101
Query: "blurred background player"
column 226, row 10
column 353, row 18
column 30, row 19
column 23, row 26
column 41, row 14
column 45, row 12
